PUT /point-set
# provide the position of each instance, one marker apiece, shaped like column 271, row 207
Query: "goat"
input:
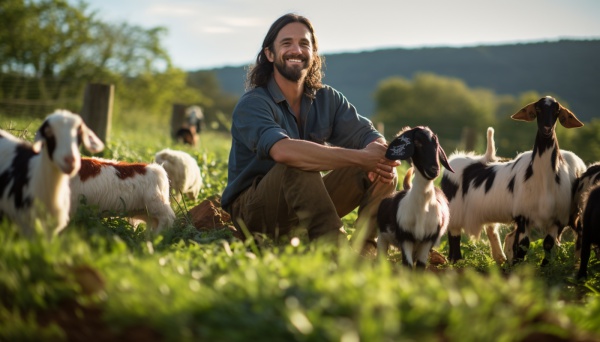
column 576, row 167
column 136, row 190
column 533, row 190
column 34, row 178
column 183, row 172
column 591, row 227
column 186, row 135
column 581, row 188
column 414, row 219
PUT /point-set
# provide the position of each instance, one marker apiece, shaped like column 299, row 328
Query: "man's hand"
column 384, row 170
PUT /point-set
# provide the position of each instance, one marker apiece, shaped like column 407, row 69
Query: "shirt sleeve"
column 256, row 126
column 350, row 129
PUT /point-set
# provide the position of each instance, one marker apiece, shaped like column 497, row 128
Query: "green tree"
column 50, row 50
column 451, row 109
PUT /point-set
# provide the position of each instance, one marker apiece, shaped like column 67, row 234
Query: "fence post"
column 177, row 118
column 97, row 109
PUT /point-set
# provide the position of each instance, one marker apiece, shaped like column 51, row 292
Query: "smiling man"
column 286, row 129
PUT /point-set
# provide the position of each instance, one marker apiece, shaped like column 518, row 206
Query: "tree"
column 50, row 50
column 446, row 105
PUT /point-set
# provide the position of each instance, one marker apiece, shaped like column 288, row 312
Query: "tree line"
column 460, row 115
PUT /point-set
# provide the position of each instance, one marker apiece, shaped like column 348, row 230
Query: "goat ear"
column 526, row 113
column 90, row 140
column 444, row 159
column 37, row 146
column 567, row 118
column 43, row 133
column 402, row 147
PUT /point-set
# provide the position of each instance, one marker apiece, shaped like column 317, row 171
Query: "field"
column 101, row 280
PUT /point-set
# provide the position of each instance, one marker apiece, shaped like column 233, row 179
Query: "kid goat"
column 136, row 190
column 183, row 172
column 533, row 190
column 414, row 219
column 34, row 178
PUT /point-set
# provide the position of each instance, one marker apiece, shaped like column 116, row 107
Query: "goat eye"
column 48, row 131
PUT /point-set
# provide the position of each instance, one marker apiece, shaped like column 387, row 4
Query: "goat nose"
column 69, row 160
column 69, row 164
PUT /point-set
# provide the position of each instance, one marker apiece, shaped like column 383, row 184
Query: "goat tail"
column 490, row 153
column 407, row 178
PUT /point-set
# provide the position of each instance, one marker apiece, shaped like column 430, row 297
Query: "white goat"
column 136, row 190
column 34, row 178
column 414, row 219
column 183, row 172
column 533, row 190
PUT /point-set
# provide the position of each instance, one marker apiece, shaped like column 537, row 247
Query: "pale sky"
column 204, row 34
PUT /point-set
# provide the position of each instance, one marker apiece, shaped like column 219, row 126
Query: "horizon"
column 212, row 34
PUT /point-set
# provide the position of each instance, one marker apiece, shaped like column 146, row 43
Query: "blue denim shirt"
column 262, row 117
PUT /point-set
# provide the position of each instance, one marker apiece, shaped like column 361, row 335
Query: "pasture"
column 101, row 280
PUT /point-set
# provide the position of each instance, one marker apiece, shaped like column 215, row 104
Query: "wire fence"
column 28, row 97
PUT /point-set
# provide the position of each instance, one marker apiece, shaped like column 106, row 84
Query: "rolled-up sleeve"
column 257, row 125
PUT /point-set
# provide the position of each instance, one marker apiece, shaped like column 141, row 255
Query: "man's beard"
column 293, row 73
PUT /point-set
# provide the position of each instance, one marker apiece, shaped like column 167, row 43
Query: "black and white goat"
column 34, row 178
column 414, row 219
column 591, row 228
column 575, row 165
column 581, row 188
column 532, row 190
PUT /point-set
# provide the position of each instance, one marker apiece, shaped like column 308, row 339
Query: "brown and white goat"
column 139, row 191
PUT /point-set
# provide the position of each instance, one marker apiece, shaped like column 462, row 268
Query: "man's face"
column 293, row 55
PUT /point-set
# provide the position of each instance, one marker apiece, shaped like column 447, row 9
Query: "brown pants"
column 287, row 198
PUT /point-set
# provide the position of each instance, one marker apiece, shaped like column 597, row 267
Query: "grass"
column 103, row 280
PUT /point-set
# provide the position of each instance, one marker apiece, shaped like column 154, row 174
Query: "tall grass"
column 103, row 280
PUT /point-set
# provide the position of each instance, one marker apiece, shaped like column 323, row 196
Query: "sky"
column 207, row 34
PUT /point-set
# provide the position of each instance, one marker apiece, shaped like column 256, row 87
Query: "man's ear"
column 269, row 54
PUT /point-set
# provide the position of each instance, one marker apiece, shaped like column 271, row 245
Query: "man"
column 286, row 129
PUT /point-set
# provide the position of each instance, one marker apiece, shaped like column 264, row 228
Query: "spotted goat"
column 532, row 190
column 34, row 178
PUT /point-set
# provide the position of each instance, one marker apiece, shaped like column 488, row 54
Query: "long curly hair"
column 261, row 71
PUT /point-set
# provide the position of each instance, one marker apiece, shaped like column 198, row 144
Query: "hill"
column 567, row 68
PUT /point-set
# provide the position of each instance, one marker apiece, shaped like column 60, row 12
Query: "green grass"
column 101, row 279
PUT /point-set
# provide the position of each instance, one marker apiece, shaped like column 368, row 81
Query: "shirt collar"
column 274, row 90
column 276, row 93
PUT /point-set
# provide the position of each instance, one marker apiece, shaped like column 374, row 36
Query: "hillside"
column 567, row 68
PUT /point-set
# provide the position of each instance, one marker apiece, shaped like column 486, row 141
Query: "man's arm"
column 310, row 156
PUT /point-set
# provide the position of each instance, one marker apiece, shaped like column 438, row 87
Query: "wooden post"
column 97, row 109
column 468, row 138
column 177, row 118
